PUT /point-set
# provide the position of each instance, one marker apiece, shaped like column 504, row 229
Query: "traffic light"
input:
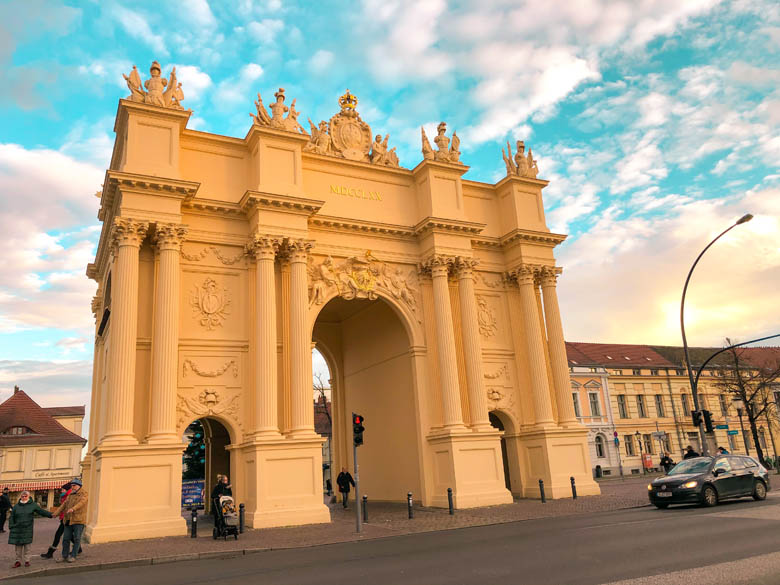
column 696, row 414
column 707, row 420
column 357, row 429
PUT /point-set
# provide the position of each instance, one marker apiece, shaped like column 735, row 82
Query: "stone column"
column 445, row 341
column 165, row 334
column 472, row 347
column 557, row 346
column 543, row 414
column 127, row 237
column 266, row 385
column 301, row 392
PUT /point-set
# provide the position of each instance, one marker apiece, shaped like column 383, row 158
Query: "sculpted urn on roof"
column 155, row 91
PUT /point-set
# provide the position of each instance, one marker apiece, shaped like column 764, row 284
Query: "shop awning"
column 33, row 486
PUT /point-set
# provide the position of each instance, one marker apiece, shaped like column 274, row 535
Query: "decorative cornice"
column 213, row 206
column 119, row 180
column 545, row 238
column 437, row 224
column 339, row 224
column 286, row 203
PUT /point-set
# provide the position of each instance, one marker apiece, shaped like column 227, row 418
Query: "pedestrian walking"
column 690, row 453
column 5, row 505
column 20, row 526
column 75, row 509
column 666, row 462
column 64, row 493
column 344, row 480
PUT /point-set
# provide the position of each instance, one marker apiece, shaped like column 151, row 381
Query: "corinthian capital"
column 263, row 247
column 463, row 267
column 437, row 265
column 548, row 275
column 298, row 250
column 169, row 236
column 524, row 274
column 127, row 232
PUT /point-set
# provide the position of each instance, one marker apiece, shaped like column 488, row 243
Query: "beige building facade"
column 223, row 261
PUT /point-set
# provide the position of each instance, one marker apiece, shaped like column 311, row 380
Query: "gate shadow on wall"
column 366, row 347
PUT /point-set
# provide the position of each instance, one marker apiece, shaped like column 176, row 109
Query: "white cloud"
column 136, row 25
column 199, row 13
column 236, row 90
column 321, row 61
column 628, row 266
column 265, row 31
column 194, row 81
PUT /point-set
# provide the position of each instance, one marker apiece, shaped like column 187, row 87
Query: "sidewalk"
column 385, row 519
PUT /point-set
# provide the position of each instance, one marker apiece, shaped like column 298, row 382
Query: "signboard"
column 734, row 432
column 721, row 426
column 660, row 435
column 647, row 460
column 192, row 492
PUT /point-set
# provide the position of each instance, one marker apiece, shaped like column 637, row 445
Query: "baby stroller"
column 225, row 517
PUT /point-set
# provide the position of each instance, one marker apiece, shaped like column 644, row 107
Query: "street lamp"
column 638, row 436
column 740, row 406
column 694, row 391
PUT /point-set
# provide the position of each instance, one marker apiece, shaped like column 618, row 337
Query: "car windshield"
column 698, row 465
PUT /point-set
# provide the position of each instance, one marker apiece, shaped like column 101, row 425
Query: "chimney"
column 16, row 389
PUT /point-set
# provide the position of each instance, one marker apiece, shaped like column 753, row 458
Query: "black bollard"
column 194, row 523
column 365, row 508
column 409, row 504
column 573, row 489
column 449, row 501
column 241, row 518
column 541, row 491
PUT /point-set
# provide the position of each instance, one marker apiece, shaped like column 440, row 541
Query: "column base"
column 123, row 439
column 166, row 439
column 136, row 492
column 554, row 456
column 284, row 478
column 471, row 464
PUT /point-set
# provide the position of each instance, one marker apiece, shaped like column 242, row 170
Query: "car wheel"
column 759, row 490
column 709, row 497
column 663, row 506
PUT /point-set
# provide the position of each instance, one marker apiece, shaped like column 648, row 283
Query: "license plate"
column 664, row 494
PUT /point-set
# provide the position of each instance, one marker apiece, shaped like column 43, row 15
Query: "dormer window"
column 17, row 431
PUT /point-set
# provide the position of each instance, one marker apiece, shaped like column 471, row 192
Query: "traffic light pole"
column 358, row 519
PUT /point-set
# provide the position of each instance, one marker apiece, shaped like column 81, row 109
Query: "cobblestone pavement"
column 385, row 519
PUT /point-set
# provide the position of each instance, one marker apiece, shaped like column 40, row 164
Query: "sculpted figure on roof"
column 522, row 165
column 277, row 119
column 445, row 152
column 348, row 136
column 153, row 90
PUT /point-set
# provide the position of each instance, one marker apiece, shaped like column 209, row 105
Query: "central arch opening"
column 366, row 348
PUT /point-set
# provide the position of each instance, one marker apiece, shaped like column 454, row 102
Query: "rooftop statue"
column 153, row 90
column 445, row 152
column 277, row 119
column 348, row 136
column 523, row 165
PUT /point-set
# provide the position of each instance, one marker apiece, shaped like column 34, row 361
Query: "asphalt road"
column 576, row 550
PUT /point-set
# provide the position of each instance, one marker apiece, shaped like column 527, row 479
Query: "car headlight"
column 690, row 484
column 649, row 487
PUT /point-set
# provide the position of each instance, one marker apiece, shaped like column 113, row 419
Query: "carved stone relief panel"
column 210, row 303
column 493, row 320
column 499, row 387
column 201, row 402
column 227, row 259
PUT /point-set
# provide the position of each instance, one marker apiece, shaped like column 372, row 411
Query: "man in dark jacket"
column 690, row 453
column 666, row 462
column 5, row 505
column 344, row 480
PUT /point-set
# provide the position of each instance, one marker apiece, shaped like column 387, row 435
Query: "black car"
column 708, row 480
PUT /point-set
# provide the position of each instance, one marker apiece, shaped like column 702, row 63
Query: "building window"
column 732, row 443
column 628, row 441
column 599, row 446
column 622, row 407
column 594, row 370
column 685, row 408
column 653, row 372
column 595, row 406
column 679, row 372
column 762, row 438
column 667, row 443
column 724, row 406
column 620, row 373
column 640, row 406
column 659, row 405
column 636, row 372
column 648, row 441
column 16, row 431
column 576, row 399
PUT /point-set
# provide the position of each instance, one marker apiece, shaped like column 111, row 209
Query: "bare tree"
column 751, row 382
column 321, row 398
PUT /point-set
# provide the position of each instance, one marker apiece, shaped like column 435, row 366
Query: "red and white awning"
column 33, row 486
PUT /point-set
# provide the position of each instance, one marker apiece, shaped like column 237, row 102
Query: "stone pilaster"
column 165, row 334
column 266, row 410
column 472, row 347
column 301, row 394
column 557, row 346
column 543, row 413
column 445, row 341
column 127, row 236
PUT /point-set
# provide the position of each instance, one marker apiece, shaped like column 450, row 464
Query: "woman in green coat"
column 21, row 526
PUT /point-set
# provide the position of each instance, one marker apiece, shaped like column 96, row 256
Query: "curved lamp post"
column 694, row 391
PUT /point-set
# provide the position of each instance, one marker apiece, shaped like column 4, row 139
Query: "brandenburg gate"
column 224, row 261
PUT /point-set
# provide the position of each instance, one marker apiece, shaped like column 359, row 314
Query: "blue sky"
column 655, row 121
